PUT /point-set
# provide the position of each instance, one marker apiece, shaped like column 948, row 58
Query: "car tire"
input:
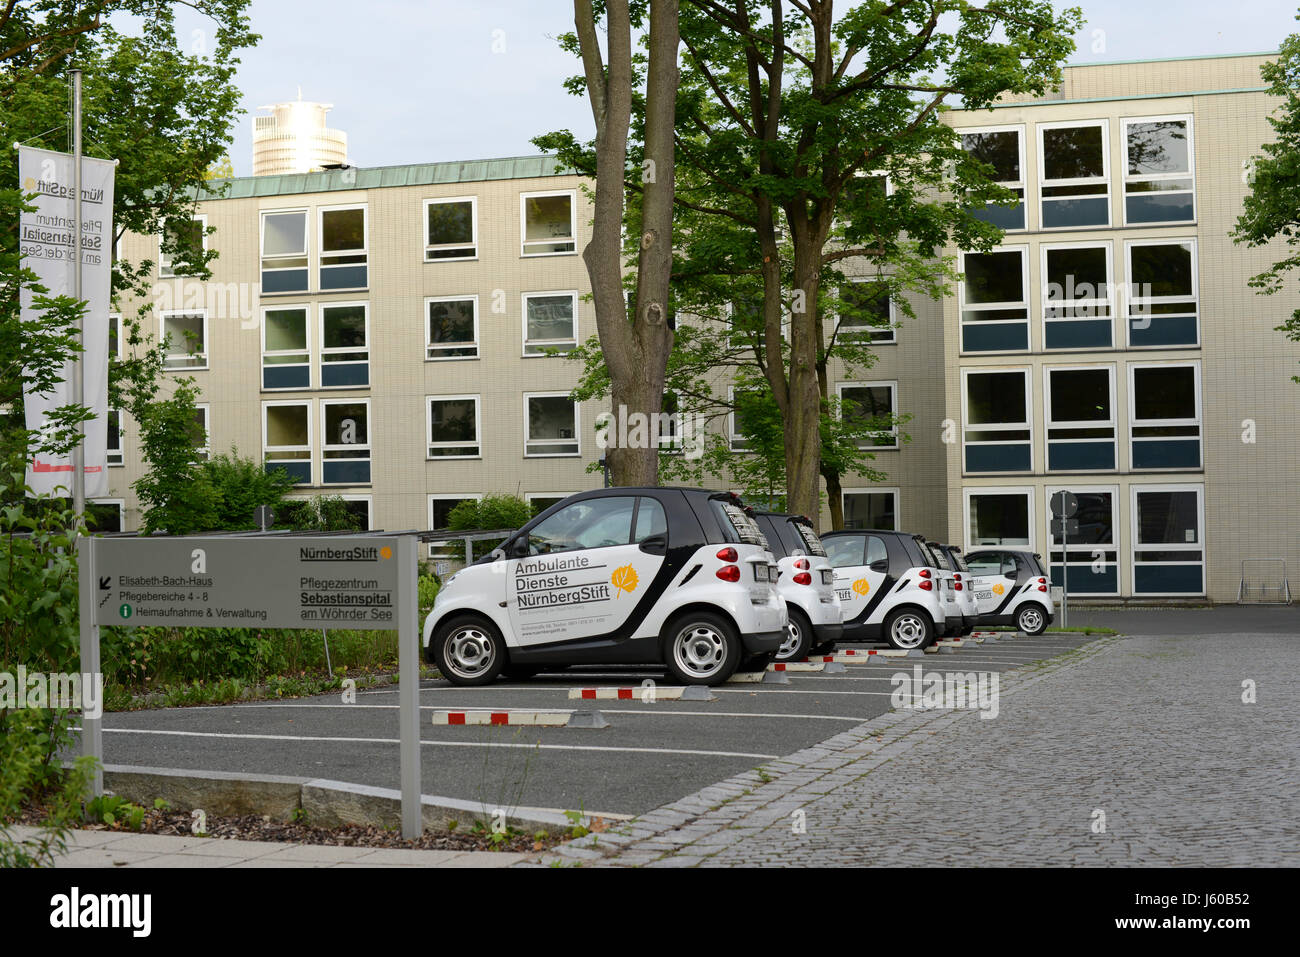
column 798, row 638
column 908, row 629
column 1032, row 618
column 470, row 651
column 701, row 648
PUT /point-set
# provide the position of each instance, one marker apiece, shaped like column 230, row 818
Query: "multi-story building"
column 380, row 334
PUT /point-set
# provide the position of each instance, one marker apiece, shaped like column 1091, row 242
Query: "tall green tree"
column 785, row 106
column 1272, row 209
column 164, row 108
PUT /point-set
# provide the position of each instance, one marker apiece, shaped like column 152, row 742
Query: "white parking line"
column 441, row 744
column 650, row 710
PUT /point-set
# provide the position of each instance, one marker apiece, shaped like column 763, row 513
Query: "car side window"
column 844, row 550
column 876, row 549
column 985, row 563
column 650, row 520
column 595, row 523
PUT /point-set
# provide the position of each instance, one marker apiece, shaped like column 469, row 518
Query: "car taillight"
column 803, row 578
column 959, row 586
column 925, row 584
column 925, row 573
column 727, row 554
column 957, row 577
column 1042, row 581
column 1042, row 588
column 802, row 563
column 729, row 573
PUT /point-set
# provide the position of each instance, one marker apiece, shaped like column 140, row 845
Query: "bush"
column 491, row 512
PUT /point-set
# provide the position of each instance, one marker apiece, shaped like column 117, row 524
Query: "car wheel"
column 1031, row 619
column 798, row 638
column 908, row 629
column 701, row 649
column 469, row 651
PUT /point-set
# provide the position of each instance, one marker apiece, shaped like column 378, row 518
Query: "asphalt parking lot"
column 651, row 752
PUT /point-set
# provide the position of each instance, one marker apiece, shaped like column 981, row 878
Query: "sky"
column 439, row 80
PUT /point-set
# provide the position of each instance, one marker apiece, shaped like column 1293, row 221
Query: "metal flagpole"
column 78, row 372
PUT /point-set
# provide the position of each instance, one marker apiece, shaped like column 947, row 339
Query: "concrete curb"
column 327, row 803
column 655, row 693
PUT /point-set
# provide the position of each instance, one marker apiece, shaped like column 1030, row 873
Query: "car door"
column 993, row 586
column 585, row 568
column 861, row 564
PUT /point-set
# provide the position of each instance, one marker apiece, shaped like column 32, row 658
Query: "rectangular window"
column 1003, row 148
column 286, row 348
column 866, row 312
column 116, row 338
column 361, row 510
column 876, row 509
column 453, row 426
column 1165, row 416
column 871, row 408
column 186, row 337
column 286, row 439
column 541, row 501
column 550, row 321
column 550, row 424
column 1168, row 546
column 344, row 345
column 1078, row 296
column 105, row 515
column 284, row 251
column 862, row 202
column 451, row 331
column 345, row 441
column 440, row 509
column 1163, row 293
column 450, row 229
column 1093, row 562
column 549, row 223
column 1159, row 171
column 180, row 244
column 998, row 426
column 202, row 423
column 998, row 516
column 115, row 438
column 737, row 434
column 1080, row 419
column 1074, row 174
column 343, row 248
column 994, row 298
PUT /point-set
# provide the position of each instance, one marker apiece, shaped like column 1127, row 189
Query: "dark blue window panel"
column 286, row 377
column 998, row 458
column 347, row 471
column 1167, row 454
column 1080, row 456
column 1185, row 579
column 285, row 280
column 1160, row 208
column 1079, row 334
column 1093, row 211
column 1084, row 581
column 343, row 277
column 338, row 374
column 1002, row 216
column 986, row 337
column 1162, row 331
column 300, row 472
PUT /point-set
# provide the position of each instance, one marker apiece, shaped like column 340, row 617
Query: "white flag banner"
column 49, row 243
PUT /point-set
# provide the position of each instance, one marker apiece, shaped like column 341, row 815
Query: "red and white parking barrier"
column 645, row 693
column 513, row 718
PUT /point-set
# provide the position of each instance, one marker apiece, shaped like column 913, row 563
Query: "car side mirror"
column 654, row 545
column 518, row 548
column 880, row 565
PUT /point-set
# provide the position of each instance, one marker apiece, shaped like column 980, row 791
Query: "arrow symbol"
column 105, row 583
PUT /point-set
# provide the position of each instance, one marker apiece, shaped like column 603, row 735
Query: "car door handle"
column 654, row 545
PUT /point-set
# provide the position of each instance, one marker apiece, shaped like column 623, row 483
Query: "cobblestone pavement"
column 1148, row 736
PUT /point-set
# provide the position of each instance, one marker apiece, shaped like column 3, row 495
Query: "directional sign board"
column 300, row 582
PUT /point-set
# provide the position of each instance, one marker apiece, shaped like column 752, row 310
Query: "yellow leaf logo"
column 624, row 579
column 862, row 586
column 998, row 589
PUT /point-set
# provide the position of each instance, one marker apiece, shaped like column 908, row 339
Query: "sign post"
column 359, row 582
column 1065, row 505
